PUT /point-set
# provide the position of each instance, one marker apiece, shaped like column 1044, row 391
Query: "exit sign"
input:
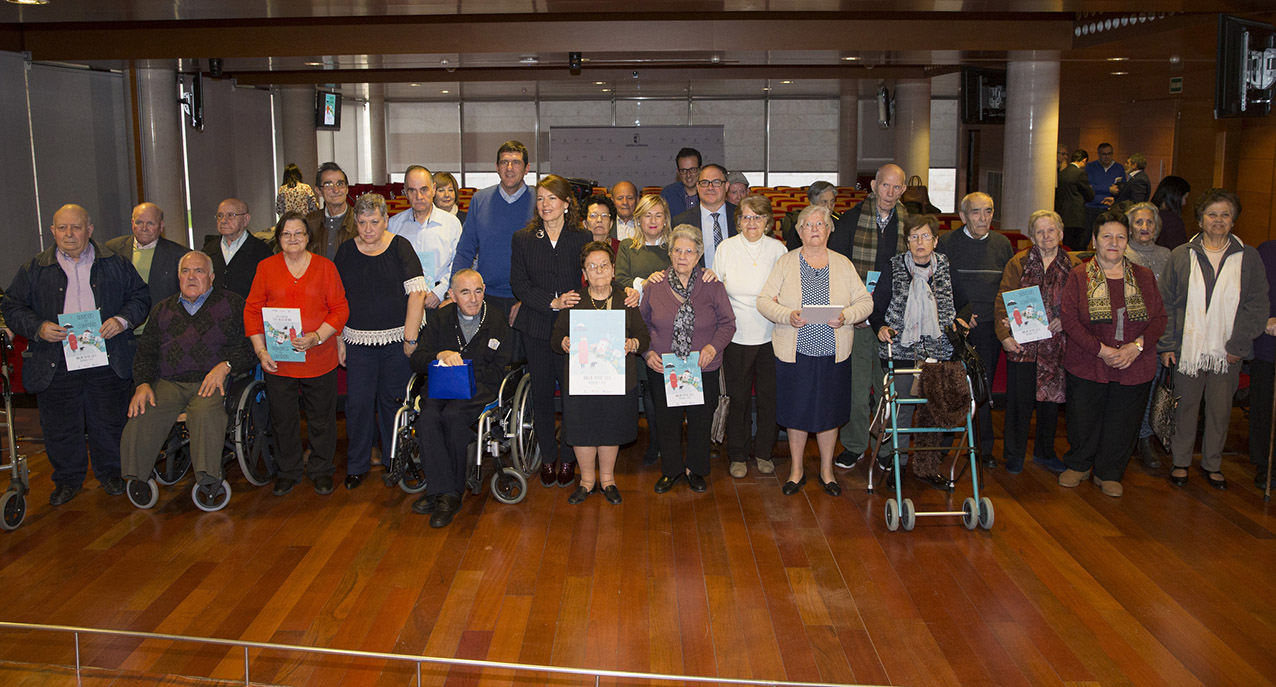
column 1176, row 84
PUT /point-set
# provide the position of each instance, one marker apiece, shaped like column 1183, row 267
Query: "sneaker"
column 738, row 469
column 1071, row 478
column 765, row 467
column 847, row 460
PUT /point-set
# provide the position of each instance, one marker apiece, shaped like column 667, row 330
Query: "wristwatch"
column 410, row 342
column 1139, row 345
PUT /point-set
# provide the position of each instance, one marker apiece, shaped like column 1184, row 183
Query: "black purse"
column 1164, row 405
column 965, row 353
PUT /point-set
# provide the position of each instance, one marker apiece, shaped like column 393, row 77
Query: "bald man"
column 153, row 256
column 76, row 275
column 625, row 195
column 235, row 252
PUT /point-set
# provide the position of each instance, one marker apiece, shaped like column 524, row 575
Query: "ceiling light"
column 1118, row 73
column 1118, row 59
column 414, row 85
column 600, row 83
column 786, row 82
column 530, row 59
column 766, row 88
column 445, row 91
column 606, row 90
column 313, row 64
column 29, row 2
column 850, row 59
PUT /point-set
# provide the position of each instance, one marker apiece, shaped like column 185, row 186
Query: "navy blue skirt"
column 813, row 394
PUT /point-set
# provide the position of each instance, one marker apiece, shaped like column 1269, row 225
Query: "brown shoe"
column 1071, row 478
column 549, row 474
column 1109, row 487
column 566, row 474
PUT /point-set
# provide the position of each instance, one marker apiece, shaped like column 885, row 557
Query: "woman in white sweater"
column 743, row 263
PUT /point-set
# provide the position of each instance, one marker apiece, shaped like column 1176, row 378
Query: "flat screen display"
column 327, row 110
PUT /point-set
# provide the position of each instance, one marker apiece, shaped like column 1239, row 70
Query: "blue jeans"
column 376, row 378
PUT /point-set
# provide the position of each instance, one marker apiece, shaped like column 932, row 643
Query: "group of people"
column 701, row 281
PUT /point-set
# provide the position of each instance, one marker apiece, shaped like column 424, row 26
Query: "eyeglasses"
column 598, row 267
column 684, row 251
column 333, row 184
column 751, row 218
column 229, row 215
column 510, row 163
column 815, row 225
column 706, row 183
column 688, row 170
column 291, row 235
column 915, row 238
column 600, row 215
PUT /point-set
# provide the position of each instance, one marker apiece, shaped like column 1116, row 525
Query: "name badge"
column 493, row 344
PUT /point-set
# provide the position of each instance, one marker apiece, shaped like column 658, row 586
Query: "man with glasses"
column 235, row 252
column 333, row 223
column 714, row 216
column 433, row 235
column 681, row 195
column 1103, row 174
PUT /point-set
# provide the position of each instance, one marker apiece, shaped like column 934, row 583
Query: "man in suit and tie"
column 153, row 256
column 1137, row 187
column 715, row 217
column 1071, row 195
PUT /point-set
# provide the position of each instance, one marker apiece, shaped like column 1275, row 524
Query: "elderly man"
column 737, row 187
column 869, row 235
column 195, row 341
column 713, row 215
column 818, row 193
column 235, row 252
column 625, row 195
column 977, row 256
column 333, row 223
column 1137, row 187
column 463, row 330
column 433, row 235
column 681, row 194
column 153, row 256
column 74, row 276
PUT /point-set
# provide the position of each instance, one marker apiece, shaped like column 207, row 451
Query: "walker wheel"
column 892, row 515
column 909, row 516
column 986, row 514
column 969, row 516
column 14, row 507
column 509, row 486
column 211, row 498
column 142, row 493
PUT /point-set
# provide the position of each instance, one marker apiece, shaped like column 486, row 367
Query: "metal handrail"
column 597, row 674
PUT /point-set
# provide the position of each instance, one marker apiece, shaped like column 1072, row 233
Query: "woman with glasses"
column 600, row 220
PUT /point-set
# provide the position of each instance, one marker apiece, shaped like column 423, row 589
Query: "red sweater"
column 321, row 298
column 1082, row 357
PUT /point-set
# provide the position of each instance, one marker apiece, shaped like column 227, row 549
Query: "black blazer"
column 490, row 349
column 238, row 275
column 692, row 217
column 1137, row 190
column 1073, row 193
column 539, row 272
column 162, row 280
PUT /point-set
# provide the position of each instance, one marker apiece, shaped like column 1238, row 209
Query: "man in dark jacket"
column 153, row 256
column 466, row 329
column 1137, row 188
column 713, row 215
column 235, row 251
column 73, row 276
column 1071, row 195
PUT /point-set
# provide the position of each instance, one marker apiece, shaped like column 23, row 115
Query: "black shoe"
column 425, row 505
column 1014, row 467
column 651, row 458
column 113, row 486
column 355, row 481
column 665, row 483
column 988, row 462
column 283, row 485
column 1051, row 464
column 1178, row 481
column 323, row 485
column 847, row 460
column 1147, row 454
column 63, row 493
column 697, row 483
column 445, row 508
column 938, row 482
column 790, row 488
column 580, row 494
column 831, row 487
column 612, row 494
column 1220, row 483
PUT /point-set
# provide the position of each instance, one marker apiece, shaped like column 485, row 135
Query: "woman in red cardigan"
column 309, row 285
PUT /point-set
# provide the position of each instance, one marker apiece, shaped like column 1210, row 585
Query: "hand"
column 885, row 334
column 837, row 324
column 1011, row 345
column 656, row 278
column 1168, row 358
column 305, row 342
column 1233, row 359
column 267, row 363
column 565, row 301
column 143, row 396
column 796, row 320
column 408, row 349
column 1108, row 355
column 215, row 380
column 567, row 344
column 708, row 276
column 1055, row 326
column 52, row 331
column 1108, row 201
column 450, row 358
column 631, row 345
column 1125, row 356
column 514, row 311
column 432, row 300
column 632, row 297
column 341, row 352
column 707, row 354
column 655, row 362
column 964, row 324
column 110, row 328
column 1270, row 330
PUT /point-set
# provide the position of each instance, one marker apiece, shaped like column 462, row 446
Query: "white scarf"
column 921, row 313
column 1206, row 332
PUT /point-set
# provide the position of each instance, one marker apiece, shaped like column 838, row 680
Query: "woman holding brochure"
column 597, row 424
column 813, row 352
column 688, row 318
column 1034, row 370
column 299, row 291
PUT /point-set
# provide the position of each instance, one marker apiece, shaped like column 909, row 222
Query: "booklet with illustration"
column 84, row 346
column 596, row 361
column 1027, row 315
column 282, row 325
column 684, row 385
column 871, row 282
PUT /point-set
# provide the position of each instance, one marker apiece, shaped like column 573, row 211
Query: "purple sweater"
column 715, row 320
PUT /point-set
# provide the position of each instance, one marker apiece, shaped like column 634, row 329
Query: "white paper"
column 596, row 361
column 821, row 314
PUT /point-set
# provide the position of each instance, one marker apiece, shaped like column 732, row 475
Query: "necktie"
column 717, row 230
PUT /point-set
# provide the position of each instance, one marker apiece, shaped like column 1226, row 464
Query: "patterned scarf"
column 684, row 321
column 1101, row 300
column 864, row 246
column 1047, row 354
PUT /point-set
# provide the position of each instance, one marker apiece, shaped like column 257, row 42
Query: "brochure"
column 282, row 325
column 871, row 282
column 1027, row 315
column 684, row 385
column 84, row 346
column 596, row 361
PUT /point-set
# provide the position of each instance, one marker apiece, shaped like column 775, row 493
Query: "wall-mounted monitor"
column 328, row 110
column 1245, row 78
column 983, row 96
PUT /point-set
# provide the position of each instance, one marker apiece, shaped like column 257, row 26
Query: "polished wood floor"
column 1166, row 586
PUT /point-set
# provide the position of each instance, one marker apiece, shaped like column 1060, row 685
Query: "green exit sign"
column 1176, row 84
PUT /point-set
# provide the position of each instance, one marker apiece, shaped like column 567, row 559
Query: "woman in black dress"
column 598, row 425
column 387, row 298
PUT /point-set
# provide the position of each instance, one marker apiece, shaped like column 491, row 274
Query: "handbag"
column 1164, row 406
column 451, row 381
column 965, row 353
column 718, row 430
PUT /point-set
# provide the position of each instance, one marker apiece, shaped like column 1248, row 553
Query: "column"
column 1032, row 137
column 376, row 133
column 297, row 129
column 848, row 132
column 159, row 124
column 912, row 127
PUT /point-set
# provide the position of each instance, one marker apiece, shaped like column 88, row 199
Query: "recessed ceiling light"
column 414, row 85
column 606, row 90
column 313, row 64
column 766, row 88
column 530, row 59
column 850, row 59
column 600, row 83
column 445, row 91
column 786, row 82
column 29, row 2
column 1117, row 59
column 1118, row 73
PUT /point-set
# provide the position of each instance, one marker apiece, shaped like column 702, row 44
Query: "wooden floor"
column 1166, row 586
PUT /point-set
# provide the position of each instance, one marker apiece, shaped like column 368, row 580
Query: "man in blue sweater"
column 495, row 214
column 1103, row 174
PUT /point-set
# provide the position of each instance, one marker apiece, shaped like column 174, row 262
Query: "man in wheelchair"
column 466, row 329
column 194, row 340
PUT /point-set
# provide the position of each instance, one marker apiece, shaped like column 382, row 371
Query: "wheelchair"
column 250, row 442
column 504, row 427
column 13, row 502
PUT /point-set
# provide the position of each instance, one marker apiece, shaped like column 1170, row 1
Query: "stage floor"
column 1165, row 586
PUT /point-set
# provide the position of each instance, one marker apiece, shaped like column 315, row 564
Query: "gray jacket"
column 1251, row 313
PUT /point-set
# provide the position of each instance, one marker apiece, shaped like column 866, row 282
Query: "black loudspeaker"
column 573, row 62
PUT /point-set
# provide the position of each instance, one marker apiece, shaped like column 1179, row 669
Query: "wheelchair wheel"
column 13, row 505
column 175, row 458
column 892, row 515
column 509, row 486
column 969, row 513
column 142, row 493
column 211, row 498
column 254, row 438
column 407, row 458
column 986, row 514
column 908, row 515
column 524, row 451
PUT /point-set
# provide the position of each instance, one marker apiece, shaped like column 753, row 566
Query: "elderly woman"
column 1145, row 227
column 595, row 426
column 1215, row 291
column 686, row 314
column 600, row 220
column 813, row 358
column 1112, row 314
column 297, row 279
column 445, row 195
column 818, row 193
column 386, row 294
column 743, row 263
column 1034, row 370
column 1169, row 198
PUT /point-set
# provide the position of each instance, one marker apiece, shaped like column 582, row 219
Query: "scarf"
column 921, row 313
column 1101, row 300
column 864, row 246
column 1208, row 326
column 1047, row 354
column 684, row 321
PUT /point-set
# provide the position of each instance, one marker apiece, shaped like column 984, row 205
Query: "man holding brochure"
column 73, row 282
